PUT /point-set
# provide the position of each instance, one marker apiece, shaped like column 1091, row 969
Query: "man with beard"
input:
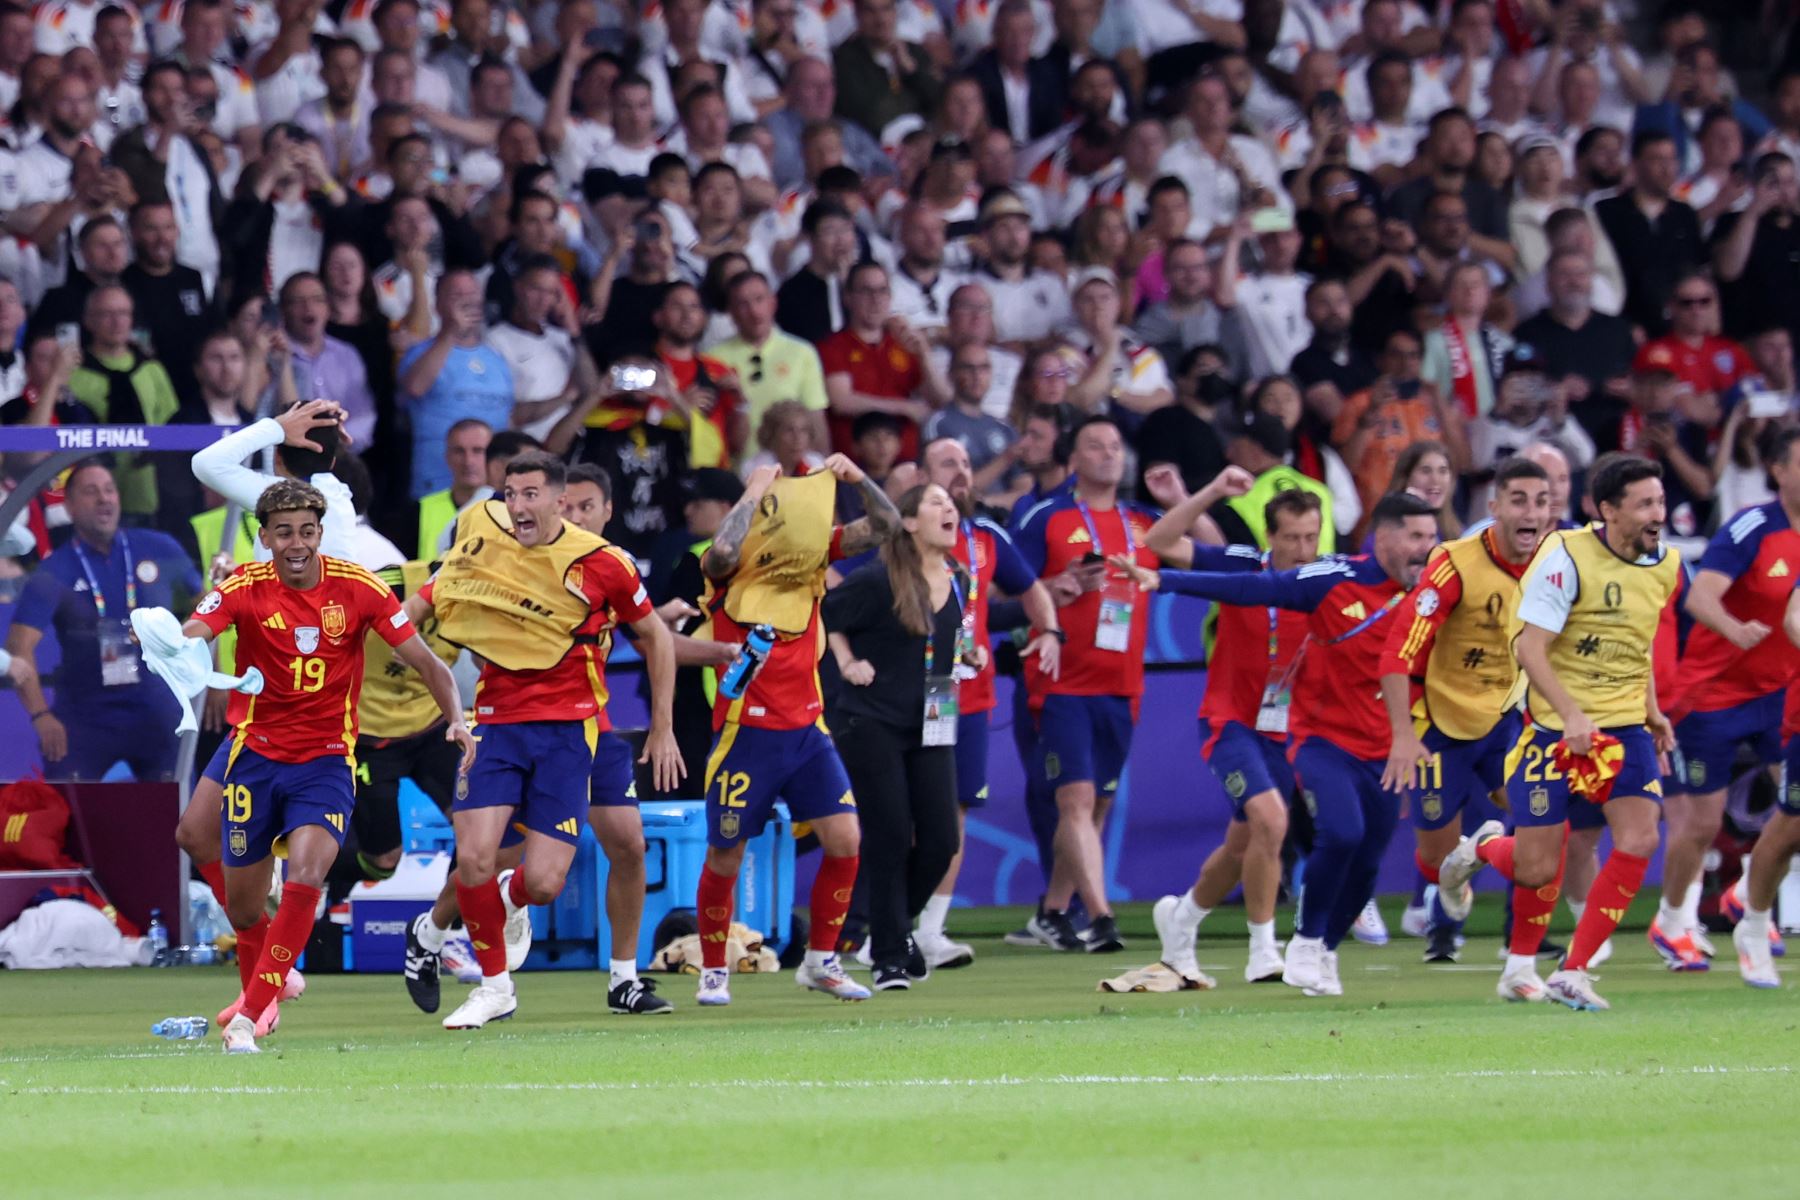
column 1657, row 237
column 165, row 164
column 1448, row 156
column 170, row 297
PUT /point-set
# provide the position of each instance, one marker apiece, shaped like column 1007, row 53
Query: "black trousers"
column 906, row 803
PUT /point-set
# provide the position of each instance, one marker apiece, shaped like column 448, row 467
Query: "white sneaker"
column 1701, row 941
column 865, row 953
column 1303, row 965
column 715, row 987
column 483, row 1005
column 829, row 977
column 1755, row 963
column 518, row 927
column 1328, row 984
column 1370, row 927
column 1575, row 988
column 1602, row 952
column 1265, row 965
column 458, row 958
column 1459, row 867
column 1416, row 922
column 240, row 1036
column 293, row 987
column 940, row 951
column 1177, row 944
column 1522, row 985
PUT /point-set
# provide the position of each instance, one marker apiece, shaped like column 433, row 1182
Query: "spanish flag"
column 1591, row 775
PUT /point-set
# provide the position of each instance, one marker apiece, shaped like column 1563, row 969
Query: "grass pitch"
column 1011, row 1078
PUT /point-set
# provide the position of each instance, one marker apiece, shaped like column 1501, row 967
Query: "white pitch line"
column 830, row 1085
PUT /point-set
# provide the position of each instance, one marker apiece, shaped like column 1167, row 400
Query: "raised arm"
column 882, row 519
column 720, row 561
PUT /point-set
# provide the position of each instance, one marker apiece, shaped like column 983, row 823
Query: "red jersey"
column 575, row 688
column 784, row 693
column 991, row 559
column 684, row 371
column 1242, row 658
column 884, row 369
column 1712, row 366
column 1759, row 551
column 1061, row 531
column 308, row 644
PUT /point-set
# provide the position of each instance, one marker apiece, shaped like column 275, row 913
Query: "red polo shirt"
column 884, row 369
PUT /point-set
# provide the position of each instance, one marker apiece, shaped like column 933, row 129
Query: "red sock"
column 515, row 890
column 284, row 942
column 1619, row 879
column 214, row 874
column 714, row 904
column 484, row 916
column 1428, row 870
column 1532, row 908
column 831, row 901
column 249, row 949
column 1497, row 853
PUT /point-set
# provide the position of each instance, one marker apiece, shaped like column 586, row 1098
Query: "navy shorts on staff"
column 1789, row 795
column 612, row 783
column 972, row 759
column 1247, row 763
column 750, row 769
column 1084, row 739
column 1464, row 774
column 265, row 801
column 1709, row 740
column 537, row 768
column 1538, row 793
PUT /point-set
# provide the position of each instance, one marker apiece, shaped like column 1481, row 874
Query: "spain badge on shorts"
column 729, row 824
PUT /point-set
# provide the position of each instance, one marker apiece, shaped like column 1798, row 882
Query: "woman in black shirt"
column 896, row 629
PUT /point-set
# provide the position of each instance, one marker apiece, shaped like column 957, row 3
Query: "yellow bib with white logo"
column 516, row 606
column 395, row 701
column 781, row 569
column 1472, row 679
column 1602, row 655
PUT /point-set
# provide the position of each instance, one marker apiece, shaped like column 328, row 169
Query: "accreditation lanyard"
column 1369, row 620
column 1112, row 629
column 941, row 708
column 968, row 532
column 1272, row 711
column 87, row 569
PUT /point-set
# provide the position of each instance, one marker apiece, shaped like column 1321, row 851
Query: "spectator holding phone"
column 454, row 376
column 1756, row 252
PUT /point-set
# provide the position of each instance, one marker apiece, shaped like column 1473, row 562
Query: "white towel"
column 184, row 663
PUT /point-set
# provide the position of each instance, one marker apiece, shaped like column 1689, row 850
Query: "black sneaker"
column 1440, row 946
column 892, row 979
column 421, row 968
column 917, row 969
column 1103, row 936
column 1552, row 949
column 638, row 997
column 1052, row 928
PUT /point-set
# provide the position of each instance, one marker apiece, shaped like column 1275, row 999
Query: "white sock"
column 623, row 970
column 430, row 936
column 1521, row 962
column 500, row 983
column 506, row 897
column 1669, row 917
column 1576, row 908
column 931, row 920
column 1262, row 935
column 1755, row 922
column 1188, row 915
column 816, row 958
column 1690, row 907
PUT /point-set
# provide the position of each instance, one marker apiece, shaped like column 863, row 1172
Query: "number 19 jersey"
column 308, row 644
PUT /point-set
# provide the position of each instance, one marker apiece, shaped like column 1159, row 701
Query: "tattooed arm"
column 882, row 519
column 720, row 561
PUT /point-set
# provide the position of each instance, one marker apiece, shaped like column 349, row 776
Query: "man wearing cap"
column 1528, row 407
column 1122, row 372
column 1270, row 303
column 1028, row 304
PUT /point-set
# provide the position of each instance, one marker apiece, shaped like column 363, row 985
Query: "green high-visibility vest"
column 1250, row 505
column 436, row 511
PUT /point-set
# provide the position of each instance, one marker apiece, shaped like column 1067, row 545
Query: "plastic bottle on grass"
column 180, row 1029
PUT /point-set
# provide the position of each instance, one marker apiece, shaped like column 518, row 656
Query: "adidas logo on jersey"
column 1078, row 537
column 1355, row 612
column 275, row 622
column 1779, row 570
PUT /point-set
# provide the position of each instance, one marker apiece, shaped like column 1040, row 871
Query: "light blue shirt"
column 475, row 382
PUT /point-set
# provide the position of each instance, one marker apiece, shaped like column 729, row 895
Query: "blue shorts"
column 1709, row 740
column 1538, row 794
column 215, row 766
column 1332, row 779
column 612, row 783
column 266, row 800
column 1789, row 794
column 1247, row 763
column 1463, row 774
column 753, row 768
column 537, row 768
column 1084, row 739
column 972, row 759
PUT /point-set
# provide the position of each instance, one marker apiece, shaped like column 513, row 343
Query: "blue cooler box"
column 380, row 911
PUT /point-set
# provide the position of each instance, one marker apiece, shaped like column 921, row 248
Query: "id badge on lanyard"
column 941, row 708
column 1118, row 597
column 119, row 656
column 1272, row 713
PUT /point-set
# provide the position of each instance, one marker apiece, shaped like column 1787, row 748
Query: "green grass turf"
column 1012, row 1078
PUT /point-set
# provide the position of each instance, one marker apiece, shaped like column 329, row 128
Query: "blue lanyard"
column 1087, row 518
column 1369, row 620
column 94, row 584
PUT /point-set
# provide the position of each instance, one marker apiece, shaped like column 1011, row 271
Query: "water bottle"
column 757, row 644
column 180, row 1029
column 158, row 937
column 203, row 955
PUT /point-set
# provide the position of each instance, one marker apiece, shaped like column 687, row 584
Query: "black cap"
column 597, row 183
column 1523, row 357
column 1265, row 430
column 870, row 421
column 712, row 483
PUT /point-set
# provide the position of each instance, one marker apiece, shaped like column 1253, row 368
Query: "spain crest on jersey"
column 335, row 620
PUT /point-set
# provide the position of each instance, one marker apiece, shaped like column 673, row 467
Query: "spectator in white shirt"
column 1121, row 372
column 1226, row 173
column 921, row 285
column 202, row 42
column 972, row 321
column 1270, row 302
column 287, row 68
column 406, row 284
column 684, row 19
column 550, row 369
column 634, row 141
column 1028, row 304
column 340, row 118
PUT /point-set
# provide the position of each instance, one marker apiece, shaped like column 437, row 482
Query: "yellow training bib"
column 516, row 606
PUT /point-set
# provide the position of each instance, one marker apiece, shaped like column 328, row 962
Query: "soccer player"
column 1590, row 607
column 1086, row 713
column 1339, row 734
column 537, row 599
column 300, row 620
column 767, row 566
column 1449, row 748
column 1243, row 715
column 1732, row 678
column 992, row 561
column 1750, row 900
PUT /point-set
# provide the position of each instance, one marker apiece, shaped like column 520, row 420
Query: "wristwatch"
column 1061, row 635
